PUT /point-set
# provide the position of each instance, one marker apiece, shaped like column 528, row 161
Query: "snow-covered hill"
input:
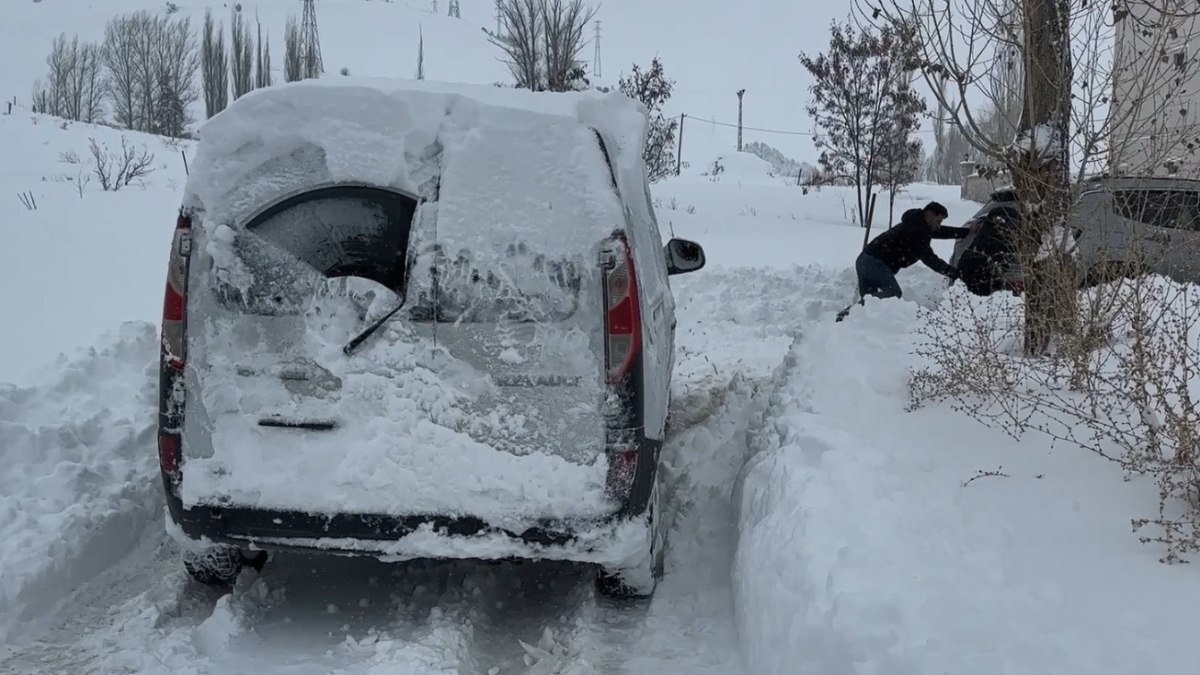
column 704, row 52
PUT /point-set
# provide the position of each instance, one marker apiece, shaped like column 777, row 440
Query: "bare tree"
column 861, row 101
column 121, row 38
column 293, row 55
column 520, row 38
column 176, row 59
column 241, row 54
column 262, row 65
column 563, row 24
column 141, row 51
column 899, row 161
column 75, row 85
column 541, row 41
column 214, row 70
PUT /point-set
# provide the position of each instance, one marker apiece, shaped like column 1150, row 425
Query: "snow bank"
column 76, row 476
column 741, row 166
column 867, row 548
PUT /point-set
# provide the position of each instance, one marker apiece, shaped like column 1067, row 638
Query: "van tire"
column 221, row 564
column 639, row 579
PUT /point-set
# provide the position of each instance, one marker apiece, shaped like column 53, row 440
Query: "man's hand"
column 974, row 226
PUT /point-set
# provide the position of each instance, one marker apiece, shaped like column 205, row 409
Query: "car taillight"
column 623, row 320
column 175, row 296
column 173, row 349
column 623, row 342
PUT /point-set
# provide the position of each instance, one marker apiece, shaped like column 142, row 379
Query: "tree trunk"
column 1040, row 169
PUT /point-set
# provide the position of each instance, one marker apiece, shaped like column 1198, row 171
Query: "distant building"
column 1155, row 111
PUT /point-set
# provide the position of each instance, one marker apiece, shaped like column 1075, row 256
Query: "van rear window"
column 331, row 232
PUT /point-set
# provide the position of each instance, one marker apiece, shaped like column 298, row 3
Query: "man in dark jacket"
column 902, row 246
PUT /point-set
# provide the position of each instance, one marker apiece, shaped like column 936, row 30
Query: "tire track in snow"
column 356, row 615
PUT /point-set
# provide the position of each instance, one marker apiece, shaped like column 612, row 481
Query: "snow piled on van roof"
column 386, row 133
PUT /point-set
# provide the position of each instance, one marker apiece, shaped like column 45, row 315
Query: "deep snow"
column 813, row 523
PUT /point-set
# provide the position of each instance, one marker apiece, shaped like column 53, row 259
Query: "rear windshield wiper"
column 371, row 330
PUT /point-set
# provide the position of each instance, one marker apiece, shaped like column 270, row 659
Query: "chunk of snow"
column 1043, row 141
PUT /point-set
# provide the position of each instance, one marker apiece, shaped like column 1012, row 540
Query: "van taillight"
column 175, row 296
column 623, row 321
column 173, row 350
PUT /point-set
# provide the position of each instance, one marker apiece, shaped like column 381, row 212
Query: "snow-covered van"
column 410, row 320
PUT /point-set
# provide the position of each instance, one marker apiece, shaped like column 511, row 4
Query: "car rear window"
column 330, row 232
column 1174, row 209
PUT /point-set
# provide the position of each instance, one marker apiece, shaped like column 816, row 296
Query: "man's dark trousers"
column 874, row 278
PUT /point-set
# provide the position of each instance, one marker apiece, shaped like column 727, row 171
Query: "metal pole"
column 741, row 92
column 679, row 150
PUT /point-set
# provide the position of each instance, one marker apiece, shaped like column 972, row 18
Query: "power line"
column 775, row 131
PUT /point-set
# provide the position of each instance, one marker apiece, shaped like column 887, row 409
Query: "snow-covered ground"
column 815, row 526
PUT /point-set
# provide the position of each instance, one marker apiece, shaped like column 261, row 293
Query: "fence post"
column 679, row 149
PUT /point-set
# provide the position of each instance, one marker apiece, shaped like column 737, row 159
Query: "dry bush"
column 118, row 170
column 1124, row 390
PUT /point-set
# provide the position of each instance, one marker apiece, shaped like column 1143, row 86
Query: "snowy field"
column 815, row 526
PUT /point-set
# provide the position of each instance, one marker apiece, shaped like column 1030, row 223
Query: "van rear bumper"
column 404, row 537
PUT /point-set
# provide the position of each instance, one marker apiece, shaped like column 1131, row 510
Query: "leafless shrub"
column 69, row 157
column 117, row 170
column 241, row 55
column 27, row 200
column 75, row 85
column 1123, row 390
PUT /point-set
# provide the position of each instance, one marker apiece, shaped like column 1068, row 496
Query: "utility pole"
column 420, row 53
column 679, row 150
column 596, row 58
column 741, row 92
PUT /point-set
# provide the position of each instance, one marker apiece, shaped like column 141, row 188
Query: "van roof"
column 389, row 133
column 501, row 163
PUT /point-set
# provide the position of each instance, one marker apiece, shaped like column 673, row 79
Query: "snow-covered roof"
column 382, row 132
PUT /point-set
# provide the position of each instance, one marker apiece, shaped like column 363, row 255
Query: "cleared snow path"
column 307, row 615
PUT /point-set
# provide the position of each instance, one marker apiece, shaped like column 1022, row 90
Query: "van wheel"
column 639, row 579
column 220, row 565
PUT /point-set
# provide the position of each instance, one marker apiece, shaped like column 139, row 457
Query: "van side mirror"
column 683, row 256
